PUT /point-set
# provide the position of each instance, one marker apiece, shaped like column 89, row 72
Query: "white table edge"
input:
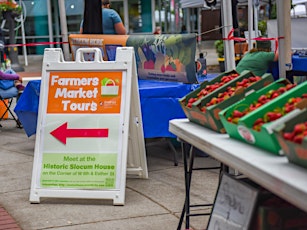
column 273, row 172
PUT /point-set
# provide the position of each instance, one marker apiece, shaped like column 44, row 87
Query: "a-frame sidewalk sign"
column 89, row 134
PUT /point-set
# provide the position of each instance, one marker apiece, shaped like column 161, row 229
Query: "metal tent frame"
column 283, row 24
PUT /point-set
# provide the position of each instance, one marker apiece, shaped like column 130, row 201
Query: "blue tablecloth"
column 299, row 64
column 159, row 104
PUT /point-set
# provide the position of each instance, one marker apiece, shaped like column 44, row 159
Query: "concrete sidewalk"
column 154, row 203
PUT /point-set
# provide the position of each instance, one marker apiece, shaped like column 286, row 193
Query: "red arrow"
column 62, row 133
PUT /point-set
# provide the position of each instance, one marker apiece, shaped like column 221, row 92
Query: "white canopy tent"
column 283, row 25
column 192, row 3
column 295, row 2
column 226, row 17
column 299, row 11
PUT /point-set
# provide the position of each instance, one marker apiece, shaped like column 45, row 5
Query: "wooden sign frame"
column 89, row 122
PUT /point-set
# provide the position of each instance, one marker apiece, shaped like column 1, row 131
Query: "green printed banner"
column 83, row 171
column 164, row 57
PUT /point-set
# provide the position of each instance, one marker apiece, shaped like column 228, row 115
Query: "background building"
column 42, row 19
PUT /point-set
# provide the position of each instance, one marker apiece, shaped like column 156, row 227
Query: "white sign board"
column 233, row 206
column 85, row 126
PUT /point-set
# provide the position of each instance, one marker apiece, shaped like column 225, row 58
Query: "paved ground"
column 7, row 221
column 154, row 203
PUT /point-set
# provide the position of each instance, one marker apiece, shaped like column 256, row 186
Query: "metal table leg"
column 188, row 162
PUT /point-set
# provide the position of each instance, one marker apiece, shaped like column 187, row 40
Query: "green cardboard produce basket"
column 210, row 118
column 296, row 153
column 231, row 128
column 265, row 138
column 184, row 100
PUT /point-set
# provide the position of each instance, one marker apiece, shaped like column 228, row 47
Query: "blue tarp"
column 27, row 107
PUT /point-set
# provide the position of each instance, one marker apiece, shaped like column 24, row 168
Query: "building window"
column 140, row 17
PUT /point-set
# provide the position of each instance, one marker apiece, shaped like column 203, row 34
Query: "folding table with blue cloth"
column 160, row 104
